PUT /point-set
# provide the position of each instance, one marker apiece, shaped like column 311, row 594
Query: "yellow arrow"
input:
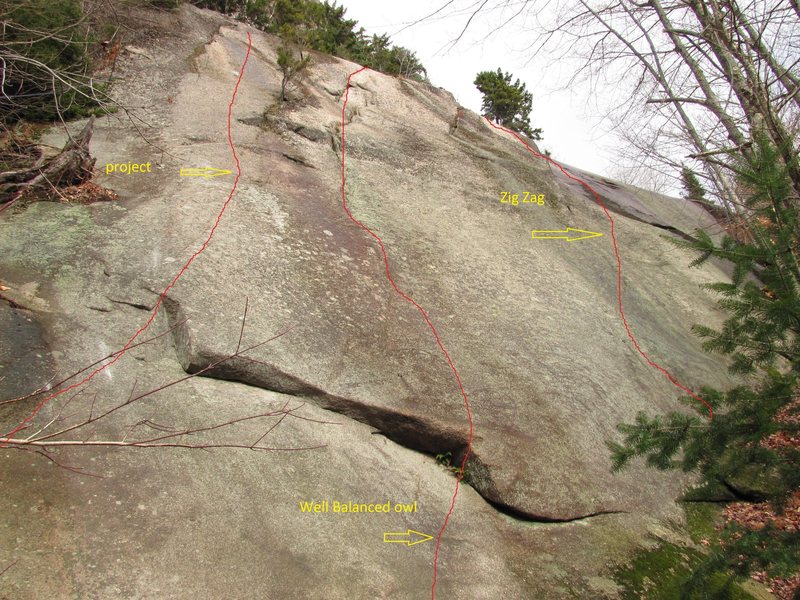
column 406, row 538
column 204, row 172
column 564, row 234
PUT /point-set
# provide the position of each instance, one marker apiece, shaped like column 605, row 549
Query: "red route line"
column 197, row 253
column 431, row 326
column 424, row 314
column 652, row 363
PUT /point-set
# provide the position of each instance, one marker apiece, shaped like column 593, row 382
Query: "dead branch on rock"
column 79, row 428
column 49, row 385
column 72, row 166
column 11, row 564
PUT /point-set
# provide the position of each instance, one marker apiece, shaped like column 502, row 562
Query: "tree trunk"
column 726, row 194
column 741, row 74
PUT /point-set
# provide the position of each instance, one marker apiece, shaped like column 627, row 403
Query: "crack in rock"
column 426, row 435
column 521, row 515
column 408, row 430
column 136, row 305
column 298, row 160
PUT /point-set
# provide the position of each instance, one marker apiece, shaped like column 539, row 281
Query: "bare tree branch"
column 77, row 430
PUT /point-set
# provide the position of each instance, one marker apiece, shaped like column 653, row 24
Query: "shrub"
column 291, row 66
column 44, row 46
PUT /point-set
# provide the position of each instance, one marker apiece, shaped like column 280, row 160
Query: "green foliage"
column 761, row 337
column 764, row 325
column 508, row 104
column 226, row 6
column 692, row 186
column 662, row 573
column 291, row 66
column 322, row 26
column 768, row 548
column 446, row 460
column 44, row 47
column 379, row 54
column 280, row 15
column 657, row 438
column 702, row 519
column 331, row 32
column 741, row 551
column 694, row 191
column 726, row 447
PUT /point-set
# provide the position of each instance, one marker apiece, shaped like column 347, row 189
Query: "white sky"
column 572, row 131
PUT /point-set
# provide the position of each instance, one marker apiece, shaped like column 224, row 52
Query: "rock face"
column 532, row 326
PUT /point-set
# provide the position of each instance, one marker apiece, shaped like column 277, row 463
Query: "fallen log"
column 72, row 166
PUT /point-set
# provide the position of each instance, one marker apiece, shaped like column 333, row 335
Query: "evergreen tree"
column 378, row 53
column 45, row 62
column 508, row 104
column 331, row 32
column 291, row 66
column 323, row 26
column 692, row 186
column 749, row 449
column 695, row 192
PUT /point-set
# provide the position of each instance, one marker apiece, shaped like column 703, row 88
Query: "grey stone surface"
column 532, row 326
